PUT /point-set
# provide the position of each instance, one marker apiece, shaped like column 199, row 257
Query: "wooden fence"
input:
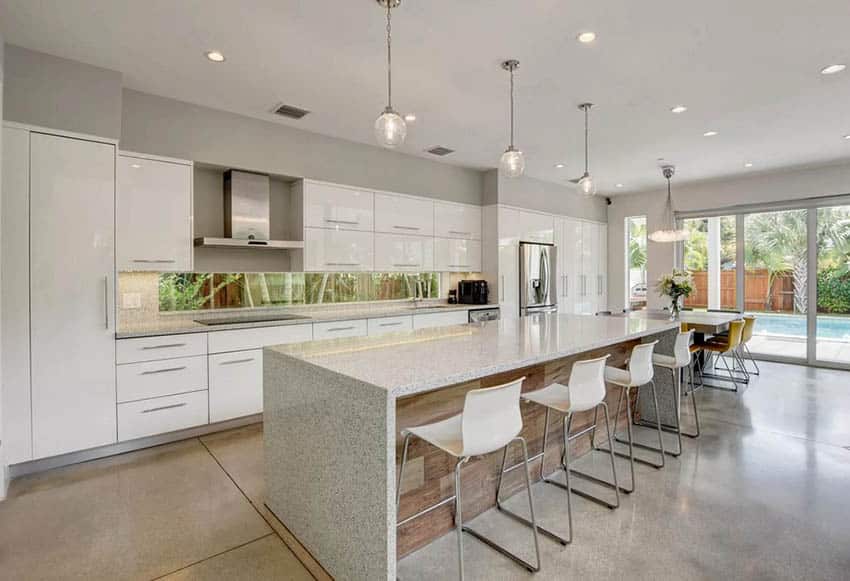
column 756, row 295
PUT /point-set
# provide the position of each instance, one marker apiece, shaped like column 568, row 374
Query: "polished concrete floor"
column 763, row 494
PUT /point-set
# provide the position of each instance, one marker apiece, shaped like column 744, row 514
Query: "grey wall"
column 532, row 194
column 58, row 93
column 3, row 482
column 162, row 126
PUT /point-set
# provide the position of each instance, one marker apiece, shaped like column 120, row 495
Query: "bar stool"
column 726, row 345
column 490, row 421
column 585, row 391
column 695, row 369
column 680, row 360
column 639, row 373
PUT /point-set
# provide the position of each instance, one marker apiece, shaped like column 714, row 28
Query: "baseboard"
column 42, row 464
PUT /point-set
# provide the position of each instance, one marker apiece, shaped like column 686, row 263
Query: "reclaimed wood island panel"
column 334, row 411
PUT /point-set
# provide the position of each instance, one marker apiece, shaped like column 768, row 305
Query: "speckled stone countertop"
column 416, row 361
column 180, row 323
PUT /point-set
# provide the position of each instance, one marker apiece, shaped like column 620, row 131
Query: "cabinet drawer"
column 242, row 339
column 457, row 221
column 403, row 215
column 331, row 206
column 148, row 417
column 338, row 250
column 236, row 384
column 160, row 347
column 390, row 325
column 399, row 253
column 453, row 255
column 158, row 378
column 440, row 319
column 337, row 329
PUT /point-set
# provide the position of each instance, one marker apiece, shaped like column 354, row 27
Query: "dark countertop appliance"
column 472, row 292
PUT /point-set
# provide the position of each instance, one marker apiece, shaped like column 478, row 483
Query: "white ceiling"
column 747, row 69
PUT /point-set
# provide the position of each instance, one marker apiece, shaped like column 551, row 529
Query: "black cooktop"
column 248, row 319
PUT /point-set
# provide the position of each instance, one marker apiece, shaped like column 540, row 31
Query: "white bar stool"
column 585, row 391
column 490, row 421
column 639, row 373
column 681, row 359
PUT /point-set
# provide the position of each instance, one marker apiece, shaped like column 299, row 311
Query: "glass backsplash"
column 194, row 291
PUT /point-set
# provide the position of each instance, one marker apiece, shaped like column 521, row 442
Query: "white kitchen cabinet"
column 340, row 329
column 153, row 214
column 404, row 215
column 589, row 268
column 337, row 207
column 16, row 407
column 402, row 253
column 602, row 267
column 390, row 325
column 457, row 221
column 258, row 337
column 160, row 347
column 159, row 378
column 536, row 227
column 338, row 250
column 426, row 321
column 570, row 261
column 149, row 417
column 72, row 289
column 236, row 384
column 456, row 255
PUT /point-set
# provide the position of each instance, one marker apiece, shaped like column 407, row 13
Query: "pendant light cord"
column 389, row 57
column 586, row 156
column 512, row 106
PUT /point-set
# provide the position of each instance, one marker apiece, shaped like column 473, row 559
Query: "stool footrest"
column 500, row 549
column 426, row 511
column 546, row 532
column 655, row 465
column 666, row 428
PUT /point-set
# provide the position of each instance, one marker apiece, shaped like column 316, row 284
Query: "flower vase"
column 674, row 309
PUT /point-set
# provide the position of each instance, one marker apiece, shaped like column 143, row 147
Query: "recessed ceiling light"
column 215, row 56
column 410, row 117
column 678, row 109
column 619, row 186
column 832, row 69
column 586, row 37
column 559, row 165
column 847, row 136
column 135, row 166
column 748, row 164
column 709, row 134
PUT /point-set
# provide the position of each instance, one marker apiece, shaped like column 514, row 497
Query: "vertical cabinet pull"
column 106, row 302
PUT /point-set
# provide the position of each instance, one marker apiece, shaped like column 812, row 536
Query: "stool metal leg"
column 584, row 476
column 693, row 397
column 631, row 455
column 532, row 523
column 674, row 428
column 632, row 444
column 568, row 420
column 401, row 470
column 459, row 516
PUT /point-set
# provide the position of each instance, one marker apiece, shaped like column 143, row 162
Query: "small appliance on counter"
column 481, row 315
column 453, row 297
column 472, row 292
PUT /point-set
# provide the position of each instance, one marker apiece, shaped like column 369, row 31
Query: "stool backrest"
column 682, row 348
column 749, row 326
column 587, row 381
column 640, row 363
column 491, row 418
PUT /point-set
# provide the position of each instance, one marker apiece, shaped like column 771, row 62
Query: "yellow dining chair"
column 722, row 347
column 746, row 335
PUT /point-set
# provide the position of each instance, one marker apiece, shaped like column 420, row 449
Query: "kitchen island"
column 334, row 411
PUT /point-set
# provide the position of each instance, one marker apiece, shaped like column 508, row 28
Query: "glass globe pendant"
column 669, row 232
column 512, row 164
column 587, row 185
column 390, row 127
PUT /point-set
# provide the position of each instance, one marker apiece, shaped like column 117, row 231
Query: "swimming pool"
column 837, row 328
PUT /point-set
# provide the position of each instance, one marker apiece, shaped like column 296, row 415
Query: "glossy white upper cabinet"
column 153, row 213
column 338, row 250
column 453, row 255
column 404, row 215
column 457, row 221
column 536, row 227
column 602, row 267
column 72, row 276
column 338, row 207
column 397, row 253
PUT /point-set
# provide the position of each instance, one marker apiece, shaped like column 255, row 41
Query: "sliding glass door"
column 833, row 285
column 710, row 258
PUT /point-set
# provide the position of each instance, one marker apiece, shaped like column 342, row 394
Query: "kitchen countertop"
column 181, row 323
column 421, row 360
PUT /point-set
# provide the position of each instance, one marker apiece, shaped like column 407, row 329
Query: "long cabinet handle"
column 411, row 228
column 106, row 302
column 154, row 261
column 333, row 221
column 164, row 346
column 407, row 264
column 566, row 285
column 459, row 232
column 390, row 324
column 235, row 361
column 342, row 264
column 333, row 329
column 165, row 370
column 458, row 266
column 502, row 288
column 164, row 407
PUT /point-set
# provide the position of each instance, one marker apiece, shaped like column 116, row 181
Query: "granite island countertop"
column 182, row 323
column 416, row 361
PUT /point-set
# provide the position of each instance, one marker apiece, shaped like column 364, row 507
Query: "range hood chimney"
column 246, row 214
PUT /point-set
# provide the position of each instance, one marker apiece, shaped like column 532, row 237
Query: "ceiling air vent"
column 289, row 111
column 440, row 150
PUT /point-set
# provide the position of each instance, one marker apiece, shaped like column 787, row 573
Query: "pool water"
column 795, row 326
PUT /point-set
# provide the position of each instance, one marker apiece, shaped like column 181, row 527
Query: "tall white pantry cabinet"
column 58, row 293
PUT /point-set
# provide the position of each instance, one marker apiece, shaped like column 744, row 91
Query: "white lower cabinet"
column 236, row 384
column 440, row 319
column 390, row 325
column 258, row 337
column 158, row 378
column 340, row 329
column 455, row 255
column 160, row 415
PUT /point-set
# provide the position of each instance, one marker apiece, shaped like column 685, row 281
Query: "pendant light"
column 390, row 128
column 669, row 232
column 586, row 182
column 512, row 163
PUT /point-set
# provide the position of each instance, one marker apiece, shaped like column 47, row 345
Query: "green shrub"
column 833, row 290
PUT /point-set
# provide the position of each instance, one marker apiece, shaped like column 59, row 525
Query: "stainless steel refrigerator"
column 537, row 275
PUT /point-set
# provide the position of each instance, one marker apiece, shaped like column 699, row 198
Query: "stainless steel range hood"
column 246, row 214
